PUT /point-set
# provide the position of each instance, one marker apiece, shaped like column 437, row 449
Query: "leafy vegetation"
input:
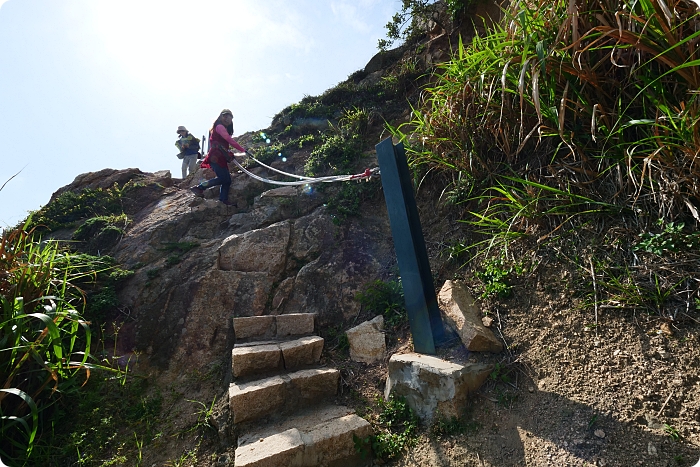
column 396, row 428
column 409, row 23
column 385, row 298
column 443, row 427
column 71, row 206
column 112, row 414
column 45, row 343
column 573, row 130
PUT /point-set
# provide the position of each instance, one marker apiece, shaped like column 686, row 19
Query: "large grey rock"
column 431, row 385
column 347, row 265
column 367, row 342
column 461, row 313
column 261, row 250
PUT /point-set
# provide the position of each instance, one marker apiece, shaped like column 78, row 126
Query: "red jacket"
column 219, row 148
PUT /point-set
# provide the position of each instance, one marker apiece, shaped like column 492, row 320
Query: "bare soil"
column 566, row 392
column 579, row 384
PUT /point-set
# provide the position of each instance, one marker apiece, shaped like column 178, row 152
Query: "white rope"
column 305, row 180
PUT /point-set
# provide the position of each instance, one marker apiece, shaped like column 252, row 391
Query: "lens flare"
column 284, row 159
column 267, row 140
column 308, row 190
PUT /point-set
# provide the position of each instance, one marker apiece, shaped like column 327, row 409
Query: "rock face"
column 199, row 263
column 367, row 342
column 461, row 313
column 433, row 386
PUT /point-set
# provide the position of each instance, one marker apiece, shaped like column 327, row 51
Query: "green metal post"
column 417, row 280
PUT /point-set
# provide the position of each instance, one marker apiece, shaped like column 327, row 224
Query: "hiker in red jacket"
column 219, row 156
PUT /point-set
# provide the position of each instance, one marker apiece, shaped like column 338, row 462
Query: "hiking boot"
column 197, row 191
column 228, row 203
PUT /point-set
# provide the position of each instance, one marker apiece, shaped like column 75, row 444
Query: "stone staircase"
column 282, row 401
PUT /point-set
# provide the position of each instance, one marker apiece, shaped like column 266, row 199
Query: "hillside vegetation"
column 554, row 154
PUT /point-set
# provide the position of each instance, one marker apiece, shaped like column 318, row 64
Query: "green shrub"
column 493, row 277
column 443, row 427
column 671, row 239
column 45, row 343
column 336, row 154
column 70, row 207
column 396, row 430
column 387, row 299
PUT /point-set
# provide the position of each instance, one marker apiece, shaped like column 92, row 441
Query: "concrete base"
column 431, row 385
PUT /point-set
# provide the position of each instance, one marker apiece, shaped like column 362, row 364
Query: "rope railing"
column 303, row 180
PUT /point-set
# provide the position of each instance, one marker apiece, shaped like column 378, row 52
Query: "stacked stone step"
column 281, row 399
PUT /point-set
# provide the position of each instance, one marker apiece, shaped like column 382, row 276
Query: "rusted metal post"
column 421, row 303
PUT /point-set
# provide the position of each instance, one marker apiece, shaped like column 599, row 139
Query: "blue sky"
column 93, row 84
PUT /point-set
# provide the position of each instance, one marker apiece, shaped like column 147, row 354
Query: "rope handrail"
column 368, row 173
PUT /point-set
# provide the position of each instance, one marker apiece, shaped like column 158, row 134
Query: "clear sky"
column 93, row 84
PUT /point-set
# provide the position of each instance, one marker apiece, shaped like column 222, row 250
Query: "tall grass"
column 44, row 342
column 582, row 96
column 579, row 119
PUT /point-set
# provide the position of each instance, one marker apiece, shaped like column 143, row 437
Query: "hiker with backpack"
column 220, row 143
column 188, row 145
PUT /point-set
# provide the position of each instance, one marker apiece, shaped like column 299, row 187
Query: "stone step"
column 266, row 356
column 283, row 394
column 323, row 437
column 256, row 328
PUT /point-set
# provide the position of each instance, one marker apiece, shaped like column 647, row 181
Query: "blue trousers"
column 223, row 178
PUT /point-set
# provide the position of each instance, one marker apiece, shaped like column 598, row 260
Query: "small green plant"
column 347, row 201
column 670, row 239
column 494, row 277
column 204, row 416
column 178, row 247
column 139, row 450
column 337, row 154
column 336, row 334
column 443, row 427
column 500, row 374
column 672, row 432
column 397, row 428
column 172, row 260
column 592, row 421
column 506, row 397
column 385, row 298
column 153, row 273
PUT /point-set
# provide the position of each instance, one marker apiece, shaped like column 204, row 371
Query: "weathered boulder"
column 367, row 342
column 433, row 386
column 257, row 250
column 104, row 178
column 461, row 313
column 273, row 206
